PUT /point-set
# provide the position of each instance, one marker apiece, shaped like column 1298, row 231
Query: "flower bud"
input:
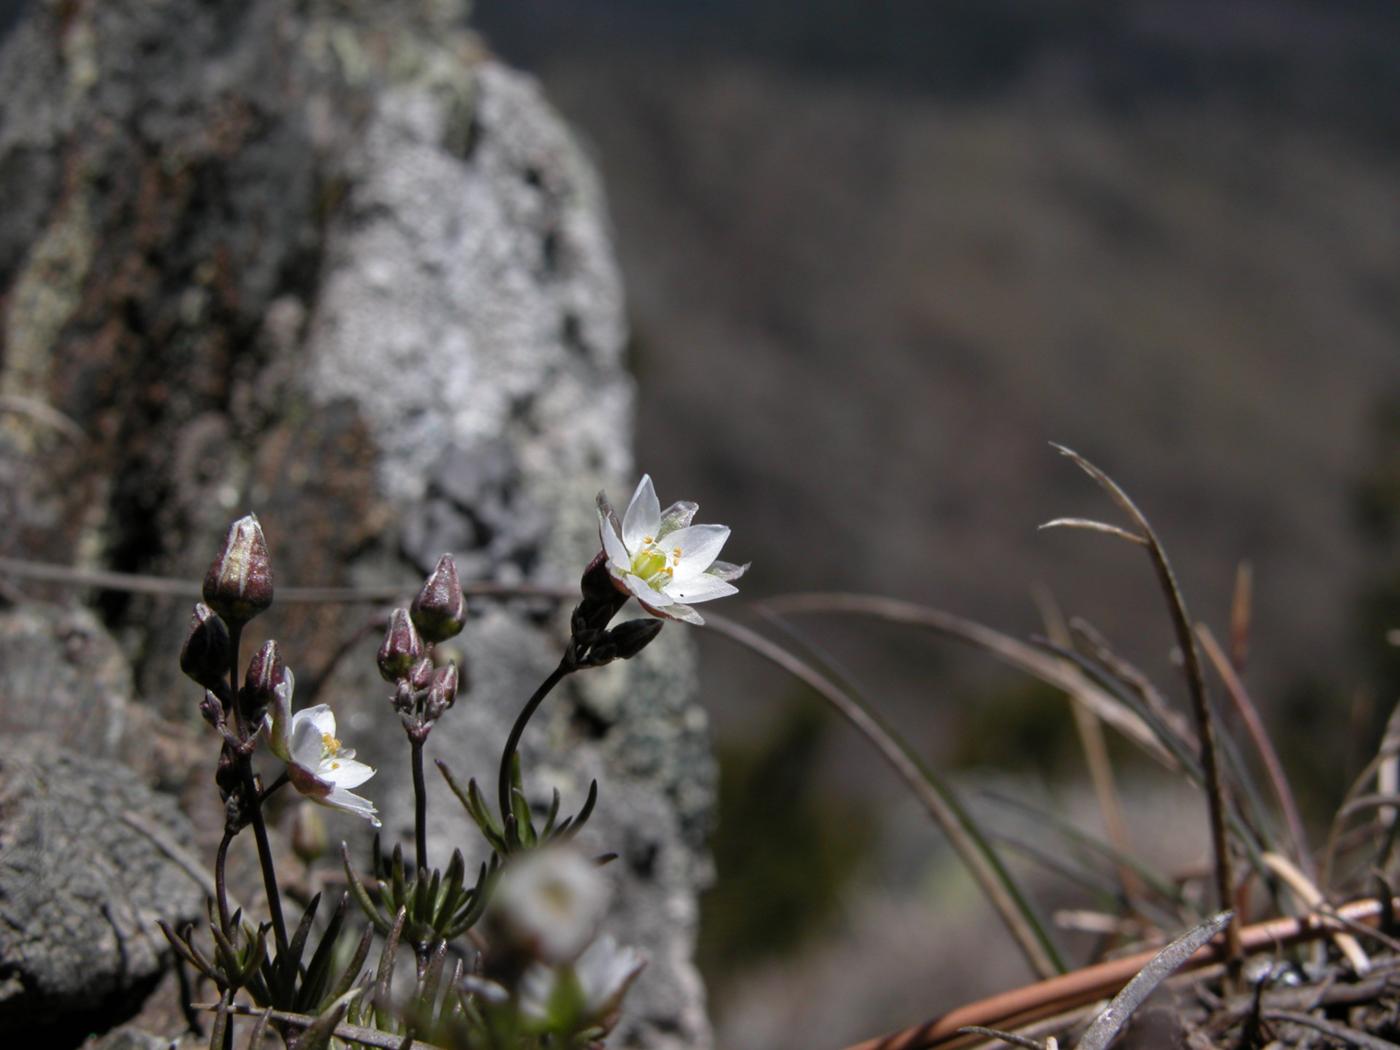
column 420, row 676
column 238, row 584
column 211, row 710
column 597, row 582
column 207, row 650
column 402, row 647
column 439, row 610
column 266, row 671
column 442, row 694
column 632, row 636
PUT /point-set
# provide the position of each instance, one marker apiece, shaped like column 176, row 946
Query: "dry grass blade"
column 1195, row 680
column 991, row 877
column 1096, row 758
column 1259, row 736
column 1115, row 1015
column 1241, row 616
column 1049, row 669
column 1089, row 525
column 1314, row 901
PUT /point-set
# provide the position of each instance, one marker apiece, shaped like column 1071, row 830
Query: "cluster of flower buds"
column 591, row 642
column 237, row 587
column 423, row 692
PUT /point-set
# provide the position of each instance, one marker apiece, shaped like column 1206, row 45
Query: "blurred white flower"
column 548, row 903
column 663, row 560
column 596, row 984
column 319, row 766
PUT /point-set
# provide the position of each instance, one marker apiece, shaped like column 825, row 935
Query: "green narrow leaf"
column 317, row 1035
column 318, row 971
column 361, row 895
column 351, row 974
column 520, row 809
column 552, row 815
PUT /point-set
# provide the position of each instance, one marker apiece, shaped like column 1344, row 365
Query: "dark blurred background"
column 877, row 256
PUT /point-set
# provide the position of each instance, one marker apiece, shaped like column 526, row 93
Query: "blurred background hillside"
column 878, row 254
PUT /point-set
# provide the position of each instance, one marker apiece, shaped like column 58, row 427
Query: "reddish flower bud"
column 421, row 674
column 442, row 694
column 440, row 610
column 238, row 584
column 402, row 647
column 266, row 671
column 632, row 636
column 207, row 650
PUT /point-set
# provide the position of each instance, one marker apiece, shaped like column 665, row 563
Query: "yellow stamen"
column 330, row 744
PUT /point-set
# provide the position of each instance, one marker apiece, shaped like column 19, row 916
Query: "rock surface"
column 89, row 859
column 338, row 266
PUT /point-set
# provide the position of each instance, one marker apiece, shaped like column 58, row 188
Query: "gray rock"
column 332, row 263
column 87, row 865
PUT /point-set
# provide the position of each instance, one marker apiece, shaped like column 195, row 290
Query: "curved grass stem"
column 962, row 832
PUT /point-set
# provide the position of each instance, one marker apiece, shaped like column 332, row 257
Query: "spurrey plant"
column 514, row 958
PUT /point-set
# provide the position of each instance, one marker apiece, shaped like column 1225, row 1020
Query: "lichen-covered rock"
column 332, row 263
column 90, row 858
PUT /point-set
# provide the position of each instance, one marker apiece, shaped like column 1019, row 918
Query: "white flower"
column 663, row 560
column 319, row 766
column 548, row 903
column 601, row 977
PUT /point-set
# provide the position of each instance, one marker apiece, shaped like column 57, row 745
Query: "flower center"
column 650, row 564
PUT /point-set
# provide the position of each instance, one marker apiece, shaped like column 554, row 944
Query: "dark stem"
column 513, row 741
column 253, row 801
column 220, row 886
column 420, row 802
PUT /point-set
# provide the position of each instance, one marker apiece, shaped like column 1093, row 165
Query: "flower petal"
column 681, row 612
column 321, row 716
column 644, row 592
column 279, row 717
column 727, row 570
column 345, row 772
column 700, row 588
column 349, row 802
column 612, row 543
column 643, row 517
column 678, row 515
column 306, row 745
column 699, row 546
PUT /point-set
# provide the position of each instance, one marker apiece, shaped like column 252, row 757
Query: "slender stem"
column 971, row 846
column 513, row 741
column 420, row 803
column 1200, row 704
column 220, row 885
column 254, row 802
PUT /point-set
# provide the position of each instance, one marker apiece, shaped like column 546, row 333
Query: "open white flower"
column 319, row 766
column 663, row 560
column 548, row 903
column 601, row 977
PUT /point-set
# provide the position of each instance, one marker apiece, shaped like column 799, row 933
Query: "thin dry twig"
column 1021, row 1006
column 352, row 1032
column 1195, row 679
column 1344, row 1034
